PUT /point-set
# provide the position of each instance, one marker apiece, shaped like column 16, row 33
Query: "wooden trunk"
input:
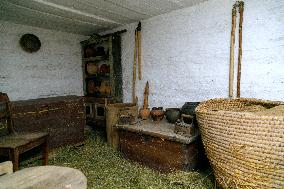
column 158, row 153
column 157, row 146
column 62, row 117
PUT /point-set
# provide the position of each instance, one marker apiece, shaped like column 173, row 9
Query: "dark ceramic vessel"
column 189, row 108
column 172, row 114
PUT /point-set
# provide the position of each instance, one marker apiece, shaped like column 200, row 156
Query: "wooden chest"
column 62, row 117
column 158, row 147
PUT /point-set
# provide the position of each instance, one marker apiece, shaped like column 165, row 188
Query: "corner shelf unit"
column 102, row 75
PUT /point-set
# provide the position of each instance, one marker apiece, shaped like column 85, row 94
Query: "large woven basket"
column 244, row 141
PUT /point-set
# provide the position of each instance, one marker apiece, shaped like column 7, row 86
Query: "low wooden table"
column 44, row 177
column 157, row 146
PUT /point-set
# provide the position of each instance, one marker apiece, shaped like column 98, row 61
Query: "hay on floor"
column 105, row 168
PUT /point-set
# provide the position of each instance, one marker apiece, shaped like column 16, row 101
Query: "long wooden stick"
column 134, row 71
column 232, row 48
column 241, row 10
column 139, row 51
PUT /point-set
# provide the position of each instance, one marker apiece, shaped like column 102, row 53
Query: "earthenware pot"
column 144, row 113
column 157, row 113
column 92, row 68
column 105, row 88
column 91, row 87
column 90, row 52
column 104, row 68
column 172, row 114
column 100, row 51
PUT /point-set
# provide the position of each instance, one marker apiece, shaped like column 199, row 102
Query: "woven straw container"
column 244, row 141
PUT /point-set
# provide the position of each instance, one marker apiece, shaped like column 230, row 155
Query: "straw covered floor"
column 106, row 168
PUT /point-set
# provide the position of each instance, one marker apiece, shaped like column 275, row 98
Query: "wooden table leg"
column 14, row 157
column 45, row 153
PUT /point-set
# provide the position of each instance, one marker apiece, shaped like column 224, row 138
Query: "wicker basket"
column 244, row 141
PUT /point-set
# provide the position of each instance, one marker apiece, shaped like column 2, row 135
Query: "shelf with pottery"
column 99, row 54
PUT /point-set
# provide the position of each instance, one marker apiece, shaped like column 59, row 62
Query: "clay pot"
column 104, row 68
column 157, row 113
column 105, row 88
column 101, row 51
column 189, row 108
column 90, row 52
column 92, row 68
column 91, row 87
column 172, row 114
column 144, row 113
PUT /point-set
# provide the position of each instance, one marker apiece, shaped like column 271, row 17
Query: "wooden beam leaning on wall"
column 240, row 5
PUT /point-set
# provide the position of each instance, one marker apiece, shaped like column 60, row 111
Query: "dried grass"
column 105, row 168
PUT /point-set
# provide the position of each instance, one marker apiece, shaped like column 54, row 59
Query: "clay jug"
column 144, row 113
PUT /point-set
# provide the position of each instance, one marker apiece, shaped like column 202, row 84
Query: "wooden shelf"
column 105, row 76
column 95, row 59
column 106, row 81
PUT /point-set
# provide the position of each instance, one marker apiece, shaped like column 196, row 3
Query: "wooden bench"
column 12, row 144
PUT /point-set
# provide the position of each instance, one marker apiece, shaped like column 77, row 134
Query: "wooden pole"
column 232, row 48
column 241, row 10
column 139, row 51
column 134, row 71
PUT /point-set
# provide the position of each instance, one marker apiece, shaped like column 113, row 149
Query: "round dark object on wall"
column 30, row 43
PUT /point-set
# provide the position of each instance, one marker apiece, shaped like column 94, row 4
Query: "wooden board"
column 161, row 129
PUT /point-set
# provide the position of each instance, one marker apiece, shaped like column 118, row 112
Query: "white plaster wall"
column 185, row 53
column 54, row 70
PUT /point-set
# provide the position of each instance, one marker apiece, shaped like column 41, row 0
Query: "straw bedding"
column 244, row 141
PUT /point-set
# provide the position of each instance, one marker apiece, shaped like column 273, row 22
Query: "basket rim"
column 201, row 107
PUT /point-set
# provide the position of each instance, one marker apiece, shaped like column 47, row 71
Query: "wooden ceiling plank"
column 48, row 21
column 103, row 8
column 86, row 15
column 189, row 3
column 61, row 11
column 137, row 6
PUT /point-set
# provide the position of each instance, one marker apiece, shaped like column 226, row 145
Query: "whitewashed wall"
column 54, row 70
column 186, row 53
